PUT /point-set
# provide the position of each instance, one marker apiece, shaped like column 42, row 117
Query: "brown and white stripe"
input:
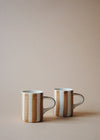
column 64, row 103
column 32, row 107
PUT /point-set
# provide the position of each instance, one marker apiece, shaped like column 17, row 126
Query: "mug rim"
column 32, row 92
column 64, row 89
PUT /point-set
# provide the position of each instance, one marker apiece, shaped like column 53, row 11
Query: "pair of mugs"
column 32, row 104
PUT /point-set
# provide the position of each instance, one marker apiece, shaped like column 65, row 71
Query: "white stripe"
column 61, row 103
column 69, row 104
column 30, row 108
column 55, row 100
column 38, row 107
column 23, row 96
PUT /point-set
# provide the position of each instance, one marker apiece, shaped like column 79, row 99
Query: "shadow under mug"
column 64, row 102
column 32, row 105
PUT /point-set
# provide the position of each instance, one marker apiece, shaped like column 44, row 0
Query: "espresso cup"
column 64, row 102
column 32, row 106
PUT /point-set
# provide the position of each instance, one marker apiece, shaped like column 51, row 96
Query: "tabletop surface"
column 83, row 125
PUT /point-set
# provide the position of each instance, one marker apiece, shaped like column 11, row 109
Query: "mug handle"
column 48, row 108
column 75, row 105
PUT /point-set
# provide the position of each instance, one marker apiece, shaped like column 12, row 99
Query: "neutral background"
column 46, row 44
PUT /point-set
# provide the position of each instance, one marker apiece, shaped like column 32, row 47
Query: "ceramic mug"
column 32, row 105
column 64, row 101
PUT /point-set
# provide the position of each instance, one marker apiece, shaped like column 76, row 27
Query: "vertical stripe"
column 34, row 107
column 30, row 108
column 26, row 107
column 58, row 102
column 23, row 96
column 61, row 102
column 65, row 103
column 69, row 104
column 41, row 107
column 38, row 107
column 22, row 108
column 55, row 100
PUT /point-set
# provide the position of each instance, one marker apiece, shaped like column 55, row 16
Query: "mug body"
column 32, row 106
column 64, row 102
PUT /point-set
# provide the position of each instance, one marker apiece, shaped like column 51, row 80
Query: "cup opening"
column 32, row 92
column 64, row 89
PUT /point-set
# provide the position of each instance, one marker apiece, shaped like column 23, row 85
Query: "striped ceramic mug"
column 32, row 105
column 64, row 102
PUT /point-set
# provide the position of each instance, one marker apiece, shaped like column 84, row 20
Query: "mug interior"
column 32, row 91
column 64, row 89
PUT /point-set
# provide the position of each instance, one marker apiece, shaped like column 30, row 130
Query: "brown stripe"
column 26, row 106
column 65, row 103
column 71, row 103
column 41, row 107
column 34, row 107
column 57, row 103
